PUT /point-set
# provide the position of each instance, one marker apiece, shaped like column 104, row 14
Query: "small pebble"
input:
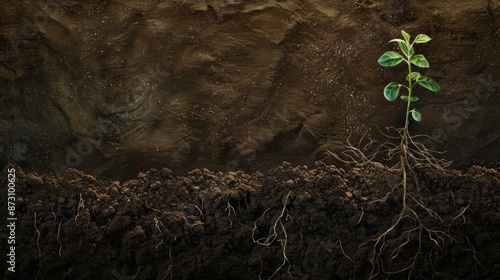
column 348, row 194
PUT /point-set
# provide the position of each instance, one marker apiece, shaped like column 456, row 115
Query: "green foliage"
column 392, row 58
column 415, row 113
column 428, row 83
column 391, row 91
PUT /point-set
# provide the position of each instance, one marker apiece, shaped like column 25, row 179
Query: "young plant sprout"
column 409, row 157
column 392, row 58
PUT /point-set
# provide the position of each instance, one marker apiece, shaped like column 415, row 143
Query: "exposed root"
column 55, row 217
column 368, row 152
column 473, row 251
column 167, row 272
column 201, row 212
column 229, row 208
column 158, row 226
column 352, row 274
column 57, row 238
column 81, row 207
column 61, row 250
column 361, row 216
column 278, row 229
column 409, row 229
column 39, row 249
column 361, row 153
column 413, row 154
column 386, row 248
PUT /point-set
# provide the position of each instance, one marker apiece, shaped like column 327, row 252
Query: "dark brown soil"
column 206, row 225
column 95, row 92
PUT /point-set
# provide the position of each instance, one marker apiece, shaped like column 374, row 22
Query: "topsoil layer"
column 305, row 223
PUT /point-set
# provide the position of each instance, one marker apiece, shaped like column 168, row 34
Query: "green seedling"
column 407, row 228
column 392, row 58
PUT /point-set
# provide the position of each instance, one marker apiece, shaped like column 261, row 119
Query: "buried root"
column 38, row 246
column 277, row 232
column 61, row 250
column 230, row 209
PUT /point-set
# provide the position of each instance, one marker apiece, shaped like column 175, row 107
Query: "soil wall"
column 117, row 87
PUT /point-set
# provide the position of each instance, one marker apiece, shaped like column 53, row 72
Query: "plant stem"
column 410, row 87
column 405, row 135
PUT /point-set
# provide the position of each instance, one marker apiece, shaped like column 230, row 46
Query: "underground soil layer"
column 293, row 222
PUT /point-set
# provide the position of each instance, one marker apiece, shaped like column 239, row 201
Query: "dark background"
column 116, row 87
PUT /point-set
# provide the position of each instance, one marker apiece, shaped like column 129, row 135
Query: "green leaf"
column 419, row 60
column 390, row 58
column 414, row 76
column 412, row 51
column 413, row 98
column 391, row 91
column 405, row 48
column 415, row 113
column 428, row 83
column 406, row 36
column 397, row 40
column 422, row 38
